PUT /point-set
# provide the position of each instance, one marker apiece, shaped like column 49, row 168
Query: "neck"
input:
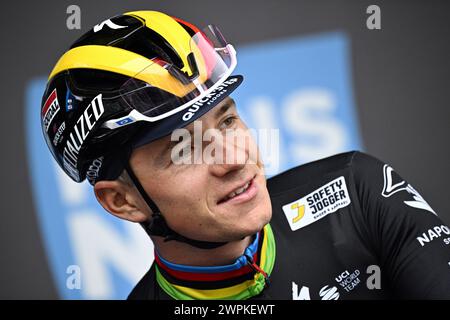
column 182, row 253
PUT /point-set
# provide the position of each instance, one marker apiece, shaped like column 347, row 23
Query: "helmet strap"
column 157, row 226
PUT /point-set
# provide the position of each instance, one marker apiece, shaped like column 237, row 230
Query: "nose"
column 234, row 157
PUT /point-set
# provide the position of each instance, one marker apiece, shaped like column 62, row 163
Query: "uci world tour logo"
column 306, row 94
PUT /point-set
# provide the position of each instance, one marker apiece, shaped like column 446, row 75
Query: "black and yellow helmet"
column 133, row 78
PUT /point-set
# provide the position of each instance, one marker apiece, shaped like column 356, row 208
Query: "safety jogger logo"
column 325, row 200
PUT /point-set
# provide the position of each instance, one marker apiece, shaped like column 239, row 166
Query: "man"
column 345, row 227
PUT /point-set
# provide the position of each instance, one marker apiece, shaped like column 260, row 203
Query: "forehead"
column 215, row 113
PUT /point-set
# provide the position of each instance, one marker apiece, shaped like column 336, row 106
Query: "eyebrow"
column 230, row 103
column 223, row 109
column 170, row 144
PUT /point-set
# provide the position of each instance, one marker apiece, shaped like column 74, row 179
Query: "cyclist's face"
column 210, row 189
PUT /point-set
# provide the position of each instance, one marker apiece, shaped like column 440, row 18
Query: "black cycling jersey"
column 344, row 227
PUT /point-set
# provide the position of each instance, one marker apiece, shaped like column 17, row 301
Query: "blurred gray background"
column 400, row 76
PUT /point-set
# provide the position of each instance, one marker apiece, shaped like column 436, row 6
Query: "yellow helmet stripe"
column 170, row 30
column 123, row 62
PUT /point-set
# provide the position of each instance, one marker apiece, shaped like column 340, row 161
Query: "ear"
column 121, row 200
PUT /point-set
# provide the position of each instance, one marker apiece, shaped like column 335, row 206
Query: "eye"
column 228, row 122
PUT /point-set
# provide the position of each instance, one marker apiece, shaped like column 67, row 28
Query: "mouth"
column 242, row 193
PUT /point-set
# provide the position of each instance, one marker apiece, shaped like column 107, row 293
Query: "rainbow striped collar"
column 243, row 279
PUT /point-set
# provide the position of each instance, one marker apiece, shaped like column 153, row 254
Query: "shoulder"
column 359, row 163
column 143, row 289
column 355, row 161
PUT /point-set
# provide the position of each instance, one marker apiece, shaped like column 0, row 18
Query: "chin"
column 255, row 221
column 238, row 229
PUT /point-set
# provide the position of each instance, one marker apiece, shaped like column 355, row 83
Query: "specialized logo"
column 390, row 188
column 80, row 131
column 318, row 204
column 326, row 293
column 434, row 233
column 109, row 23
column 51, row 108
column 208, row 99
